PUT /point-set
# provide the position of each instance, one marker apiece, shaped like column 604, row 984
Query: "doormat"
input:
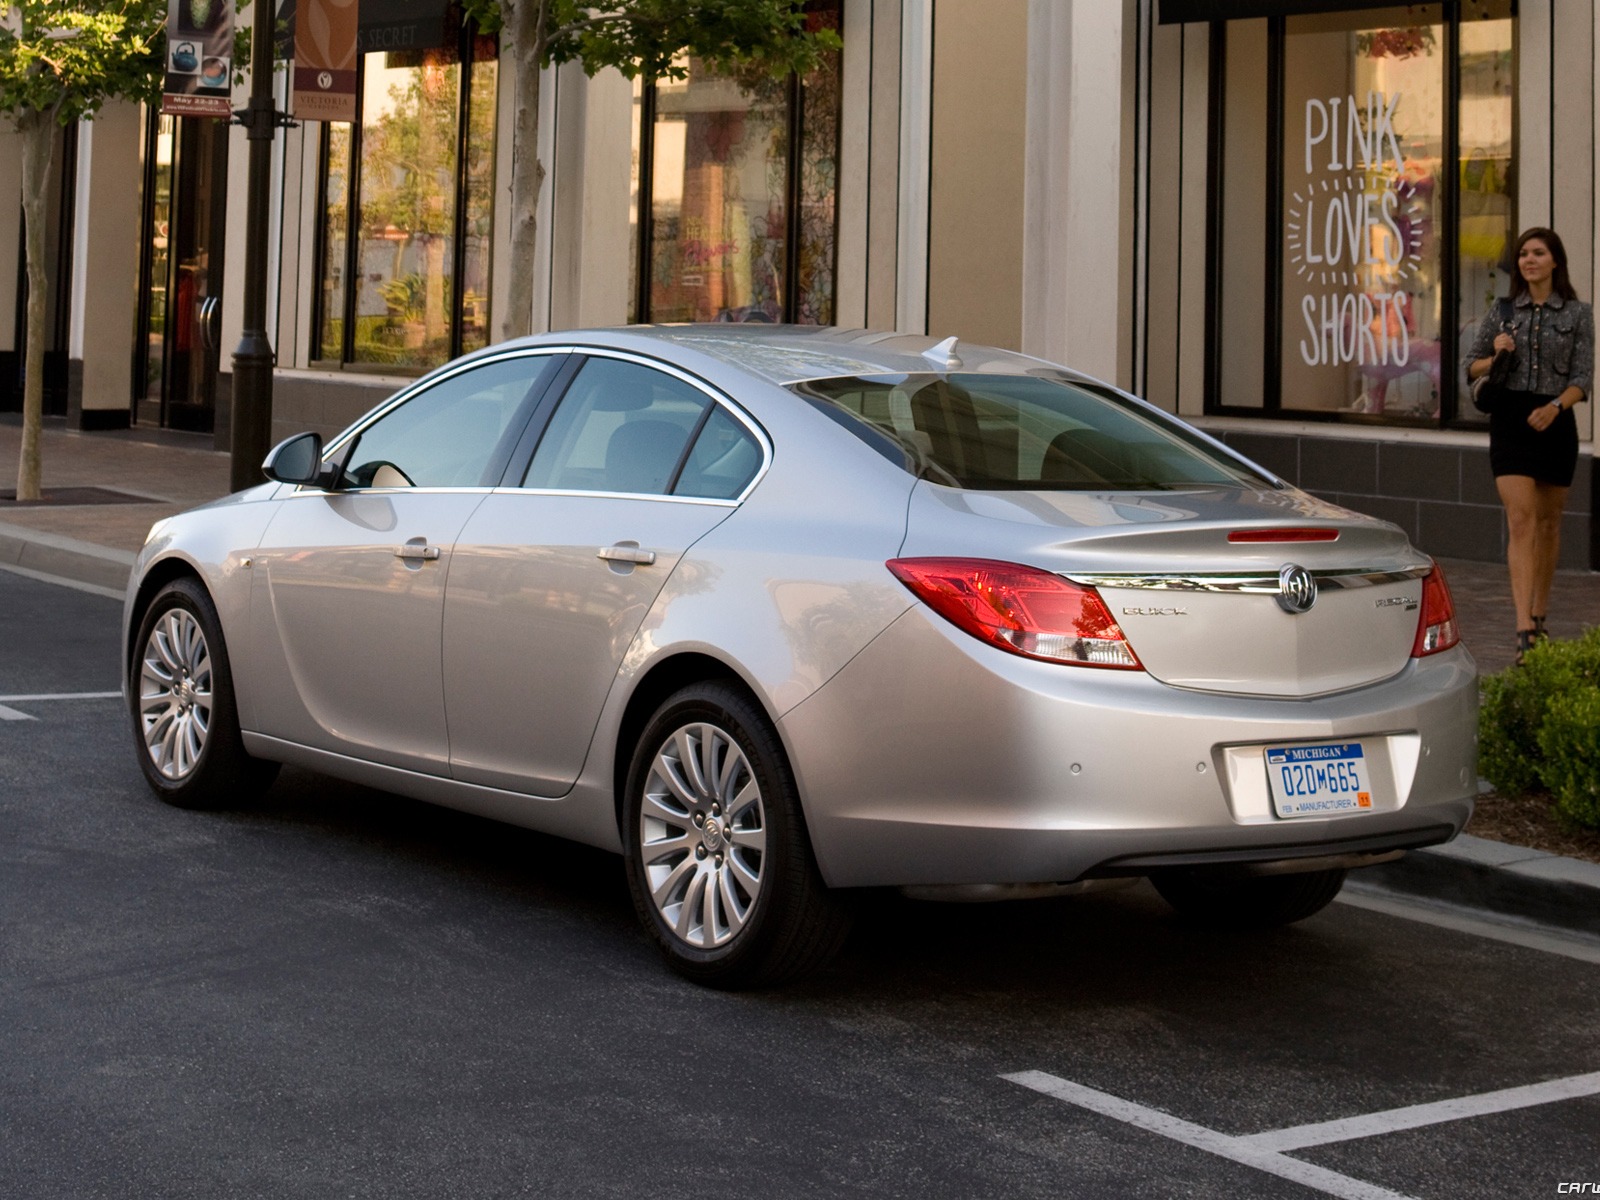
column 68, row 496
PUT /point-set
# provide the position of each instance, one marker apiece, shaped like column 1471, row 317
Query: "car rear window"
column 1043, row 433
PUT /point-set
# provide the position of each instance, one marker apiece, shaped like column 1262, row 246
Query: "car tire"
column 185, row 720
column 1230, row 900
column 719, row 862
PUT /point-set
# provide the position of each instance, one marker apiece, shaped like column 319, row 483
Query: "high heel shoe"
column 1540, row 633
column 1525, row 640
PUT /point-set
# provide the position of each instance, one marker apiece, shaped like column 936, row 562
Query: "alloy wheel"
column 175, row 693
column 702, row 835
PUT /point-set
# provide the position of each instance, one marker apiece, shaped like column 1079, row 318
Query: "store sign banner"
column 325, row 33
column 386, row 25
column 199, row 59
column 1355, row 223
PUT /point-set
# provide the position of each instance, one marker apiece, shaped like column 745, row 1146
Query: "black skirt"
column 1516, row 448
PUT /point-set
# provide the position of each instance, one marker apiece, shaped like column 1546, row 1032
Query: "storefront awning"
column 388, row 25
column 1174, row 12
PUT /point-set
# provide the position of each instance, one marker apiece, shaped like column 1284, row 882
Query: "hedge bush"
column 1539, row 727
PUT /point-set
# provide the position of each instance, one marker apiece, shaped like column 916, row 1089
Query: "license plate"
column 1319, row 779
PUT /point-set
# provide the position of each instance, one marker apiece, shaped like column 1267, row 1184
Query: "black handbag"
column 1490, row 387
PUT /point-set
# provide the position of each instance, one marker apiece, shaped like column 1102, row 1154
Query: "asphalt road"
column 341, row 993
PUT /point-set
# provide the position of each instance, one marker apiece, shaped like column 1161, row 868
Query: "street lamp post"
column 251, row 433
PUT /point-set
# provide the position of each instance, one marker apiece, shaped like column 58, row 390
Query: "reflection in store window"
column 1488, row 218
column 741, row 190
column 405, row 284
column 407, row 214
column 719, row 200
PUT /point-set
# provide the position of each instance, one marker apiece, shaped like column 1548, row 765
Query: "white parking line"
column 1201, row 1138
column 11, row 714
column 1267, row 1151
column 1418, row 1115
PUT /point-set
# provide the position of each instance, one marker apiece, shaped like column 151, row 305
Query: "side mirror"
column 296, row 460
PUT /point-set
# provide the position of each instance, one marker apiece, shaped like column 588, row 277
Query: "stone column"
column 1077, row 219
column 105, row 269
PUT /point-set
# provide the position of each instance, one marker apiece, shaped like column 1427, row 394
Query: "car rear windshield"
column 1040, row 432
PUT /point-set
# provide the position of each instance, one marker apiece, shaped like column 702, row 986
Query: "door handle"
column 626, row 554
column 210, row 311
column 417, row 552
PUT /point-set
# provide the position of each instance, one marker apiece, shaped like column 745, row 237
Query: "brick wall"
column 1443, row 496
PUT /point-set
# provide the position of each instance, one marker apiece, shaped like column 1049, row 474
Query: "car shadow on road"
column 1089, row 950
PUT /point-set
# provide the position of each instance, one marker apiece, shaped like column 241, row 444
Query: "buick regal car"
column 780, row 613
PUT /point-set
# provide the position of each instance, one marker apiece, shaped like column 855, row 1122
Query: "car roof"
column 786, row 354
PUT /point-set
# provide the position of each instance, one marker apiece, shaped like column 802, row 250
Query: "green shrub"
column 1509, row 716
column 1570, row 743
column 1539, row 727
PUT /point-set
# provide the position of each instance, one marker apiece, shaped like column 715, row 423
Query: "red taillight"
column 1436, row 627
column 1283, row 535
column 1020, row 609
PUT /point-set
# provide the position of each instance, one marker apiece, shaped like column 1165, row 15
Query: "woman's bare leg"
column 1520, row 495
column 1549, row 501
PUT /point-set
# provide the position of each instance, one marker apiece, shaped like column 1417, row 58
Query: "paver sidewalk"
column 177, row 473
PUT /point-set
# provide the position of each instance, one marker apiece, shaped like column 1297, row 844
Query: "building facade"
column 1280, row 219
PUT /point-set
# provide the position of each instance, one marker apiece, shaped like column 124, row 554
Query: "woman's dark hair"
column 1560, row 283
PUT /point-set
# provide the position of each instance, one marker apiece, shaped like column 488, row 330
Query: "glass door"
column 151, row 347
column 180, row 311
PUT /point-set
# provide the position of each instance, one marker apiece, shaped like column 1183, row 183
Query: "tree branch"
column 616, row 18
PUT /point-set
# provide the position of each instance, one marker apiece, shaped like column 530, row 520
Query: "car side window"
column 452, row 434
column 725, row 458
column 621, row 427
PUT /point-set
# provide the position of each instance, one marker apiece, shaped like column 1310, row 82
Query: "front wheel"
column 719, row 862
column 185, row 722
column 1231, row 900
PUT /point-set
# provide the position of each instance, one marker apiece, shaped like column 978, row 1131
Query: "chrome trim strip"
column 521, row 491
column 306, row 490
column 1253, row 584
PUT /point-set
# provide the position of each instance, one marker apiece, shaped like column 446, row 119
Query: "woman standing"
column 1533, row 436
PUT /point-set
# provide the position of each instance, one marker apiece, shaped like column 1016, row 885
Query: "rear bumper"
column 933, row 759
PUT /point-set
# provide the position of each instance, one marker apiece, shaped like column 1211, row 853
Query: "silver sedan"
column 781, row 613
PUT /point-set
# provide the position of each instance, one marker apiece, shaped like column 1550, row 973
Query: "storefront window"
column 738, row 185
column 1354, row 167
column 1362, row 272
column 1487, row 225
column 406, row 216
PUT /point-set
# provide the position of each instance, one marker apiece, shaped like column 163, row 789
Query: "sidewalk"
column 167, row 473
column 96, row 543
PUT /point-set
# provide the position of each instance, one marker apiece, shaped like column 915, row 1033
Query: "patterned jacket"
column 1555, row 344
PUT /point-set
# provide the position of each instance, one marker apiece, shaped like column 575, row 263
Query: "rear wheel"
column 719, row 862
column 185, row 722
column 1233, row 900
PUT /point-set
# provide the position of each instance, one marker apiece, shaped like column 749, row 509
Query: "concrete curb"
column 1500, row 878
column 50, row 554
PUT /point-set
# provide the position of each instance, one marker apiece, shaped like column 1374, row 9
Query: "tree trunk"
column 523, row 46
column 38, row 151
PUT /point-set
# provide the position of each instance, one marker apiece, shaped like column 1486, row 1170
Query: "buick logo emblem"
column 1297, row 589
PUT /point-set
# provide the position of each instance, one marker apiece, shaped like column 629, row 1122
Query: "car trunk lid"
column 1270, row 616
